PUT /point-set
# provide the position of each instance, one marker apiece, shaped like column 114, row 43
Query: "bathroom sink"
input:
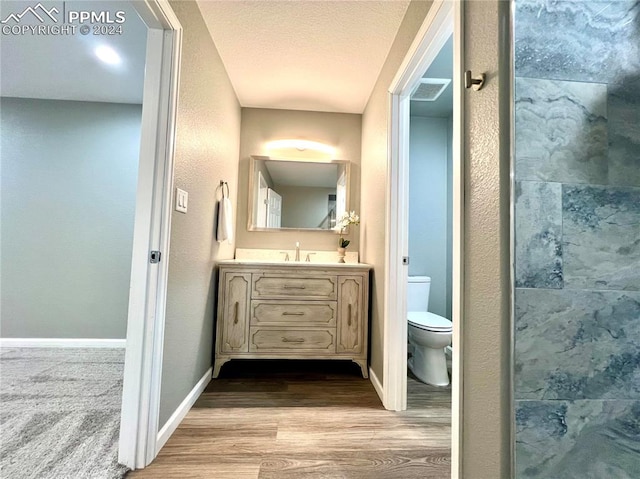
column 287, row 257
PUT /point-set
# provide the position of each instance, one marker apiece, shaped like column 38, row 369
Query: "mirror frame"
column 251, row 192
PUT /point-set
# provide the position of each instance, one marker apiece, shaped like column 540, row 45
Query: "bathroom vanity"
column 292, row 310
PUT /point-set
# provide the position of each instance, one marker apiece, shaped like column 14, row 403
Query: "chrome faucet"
column 297, row 250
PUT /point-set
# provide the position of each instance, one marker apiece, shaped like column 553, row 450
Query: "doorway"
column 430, row 235
column 443, row 22
column 71, row 157
column 143, row 315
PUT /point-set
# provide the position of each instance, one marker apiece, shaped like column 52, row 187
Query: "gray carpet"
column 60, row 413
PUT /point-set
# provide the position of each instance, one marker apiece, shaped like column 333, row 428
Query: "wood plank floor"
column 305, row 419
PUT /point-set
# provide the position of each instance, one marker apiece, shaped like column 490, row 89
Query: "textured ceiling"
column 303, row 54
column 64, row 67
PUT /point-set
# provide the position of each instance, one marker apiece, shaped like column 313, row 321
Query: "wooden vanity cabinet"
column 235, row 327
column 292, row 312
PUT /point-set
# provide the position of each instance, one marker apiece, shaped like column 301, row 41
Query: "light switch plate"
column 182, row 200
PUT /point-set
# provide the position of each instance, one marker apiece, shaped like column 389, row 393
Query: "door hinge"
column 405, row 260
column 154, row 256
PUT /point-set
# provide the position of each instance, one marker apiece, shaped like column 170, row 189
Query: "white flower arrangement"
column 345, row 219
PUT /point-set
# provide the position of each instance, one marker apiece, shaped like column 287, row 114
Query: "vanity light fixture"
column 108, row 55
column 301, row 145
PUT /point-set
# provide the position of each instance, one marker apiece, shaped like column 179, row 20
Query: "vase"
column 341, row 253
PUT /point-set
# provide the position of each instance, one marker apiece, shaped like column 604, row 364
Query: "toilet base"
column 429, row 365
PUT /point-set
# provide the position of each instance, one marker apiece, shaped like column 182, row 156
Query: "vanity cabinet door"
column 350, row 321
column 235, row 319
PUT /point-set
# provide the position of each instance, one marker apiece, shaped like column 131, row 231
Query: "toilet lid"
column 429, row 321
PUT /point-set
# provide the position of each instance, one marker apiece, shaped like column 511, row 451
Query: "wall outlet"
column 182, row 200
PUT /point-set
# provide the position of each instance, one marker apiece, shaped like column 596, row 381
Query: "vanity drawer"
column 273, row 340
column 291, row 286
column 293, row 313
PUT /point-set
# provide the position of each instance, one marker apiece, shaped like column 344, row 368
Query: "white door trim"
column 443, row 19
column 145, row 327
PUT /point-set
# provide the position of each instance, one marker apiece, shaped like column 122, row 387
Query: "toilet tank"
column 418, row 293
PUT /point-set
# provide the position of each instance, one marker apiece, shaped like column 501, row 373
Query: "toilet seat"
column 429, row 321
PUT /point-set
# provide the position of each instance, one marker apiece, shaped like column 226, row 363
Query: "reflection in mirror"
column 305, row 194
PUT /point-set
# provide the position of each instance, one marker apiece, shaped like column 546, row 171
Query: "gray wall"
column 577, row 357
column 69, row 178
column 208, row 132
column 259, row 126
column 304, row 206
column 430, row 208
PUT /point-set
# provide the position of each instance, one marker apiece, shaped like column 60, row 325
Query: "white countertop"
column 292, row 264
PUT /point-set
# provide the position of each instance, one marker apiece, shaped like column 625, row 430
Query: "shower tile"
column 577, row 440
column 577, row 40
column 623, row 108
column 538, row 235
column 601, row 237
column 561, row 131
column 577, row 344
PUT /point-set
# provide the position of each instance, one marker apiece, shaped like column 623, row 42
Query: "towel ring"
column 222, row 185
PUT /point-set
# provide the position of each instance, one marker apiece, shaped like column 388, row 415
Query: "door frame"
column 445, row 18
column 262, row 209
column 274, row 199
column 152, row 228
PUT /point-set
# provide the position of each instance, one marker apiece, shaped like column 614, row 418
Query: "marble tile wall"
column 577, row 239
column 578, row 439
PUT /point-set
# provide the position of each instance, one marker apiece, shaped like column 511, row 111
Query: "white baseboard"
column 61, row 343
column 179, row 414
column 376, row 384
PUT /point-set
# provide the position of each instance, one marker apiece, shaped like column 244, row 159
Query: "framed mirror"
column 297, row 194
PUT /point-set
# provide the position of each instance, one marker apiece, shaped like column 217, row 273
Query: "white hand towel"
column 225, row 221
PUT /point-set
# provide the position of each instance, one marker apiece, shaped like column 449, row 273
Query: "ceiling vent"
column 429, row 89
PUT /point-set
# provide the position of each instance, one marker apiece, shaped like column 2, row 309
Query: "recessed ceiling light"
column 108, row 55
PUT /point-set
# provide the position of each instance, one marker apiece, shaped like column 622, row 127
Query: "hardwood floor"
column 306, row 419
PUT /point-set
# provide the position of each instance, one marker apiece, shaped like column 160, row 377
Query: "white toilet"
column 429, row 334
